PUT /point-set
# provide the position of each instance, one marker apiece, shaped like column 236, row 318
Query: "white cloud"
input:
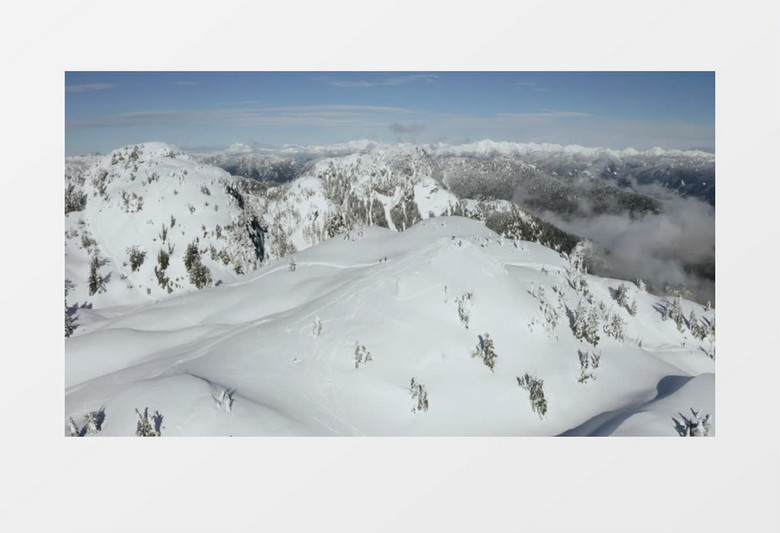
column 84, row 87
column 322, row 115
column 396, row 80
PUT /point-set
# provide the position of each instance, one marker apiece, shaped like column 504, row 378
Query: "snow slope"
column 155, row 199
column 393, row 293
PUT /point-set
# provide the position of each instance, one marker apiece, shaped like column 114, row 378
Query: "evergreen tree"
column 199, row 274
column 362, row 356
column 695, row 327
column 694, row 426
column 464, row 302
column 614, row 327
column 75, row 200
column 621, row 295
column 535, row 387
column 580, row 321
column 674, row 312
column 68, row 323
column 148, row 426
column 136, row 257
column 592, row 327
column 163, row 260
column 73, row 428
column 420, row 394
column 94, row 275
column 485, row 351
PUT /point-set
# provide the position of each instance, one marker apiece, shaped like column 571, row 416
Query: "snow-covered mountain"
column 148, row 220
column 145, row 221
column 689, row 173
column 446, row 328
column 380, row 290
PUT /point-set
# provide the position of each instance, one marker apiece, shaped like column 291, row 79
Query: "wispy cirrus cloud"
column 84, row 87
column 546, row 113
column 317, row 115
column 395, row 80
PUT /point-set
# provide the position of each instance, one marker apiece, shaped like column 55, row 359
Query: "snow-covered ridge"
column 488, row 147
column 482, row 147
column 136, row 211
column 443, row 329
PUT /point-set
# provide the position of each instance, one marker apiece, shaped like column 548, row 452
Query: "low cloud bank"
column 673, row 248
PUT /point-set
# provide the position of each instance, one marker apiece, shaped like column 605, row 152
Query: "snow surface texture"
column 331, row 346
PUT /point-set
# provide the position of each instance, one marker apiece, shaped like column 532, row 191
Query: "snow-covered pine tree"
column 68, row 323
column 464, row 302
column 592, row 327
column 75, row 200
column 93, row 422
column 614, row 326
column 199, row 274
column 694, row 426
column 420, row 394
column 695, row 327
column 588, row 360
column 74, row 428
column 136, row 257
column 148, row 426
column 485, row 351
column 551, row 316
column 94, row 274
column 621, row 295
column 362, row 356
column 535, row 387
column 580, row 321
column 163, row 260
column 674, row 312
column 292, row 264
column 317, row 330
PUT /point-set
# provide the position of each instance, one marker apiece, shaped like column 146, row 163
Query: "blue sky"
column 211, row 110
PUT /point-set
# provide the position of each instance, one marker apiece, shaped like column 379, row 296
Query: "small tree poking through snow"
column 587, row 361
column 535, row 388
column 199, row 274
column 362, row 356
column 93, row 424
column 674, row 312
column 621, row 297
column 485, row 351
column 420, row 394
column 225, row 400
column 148, row 426
column 95, row 280
column 464, row 303
column 136, row 258
column 292, row 264
column 614, row 327
column 68, row 323
column 694, row 426
column 317, row 330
